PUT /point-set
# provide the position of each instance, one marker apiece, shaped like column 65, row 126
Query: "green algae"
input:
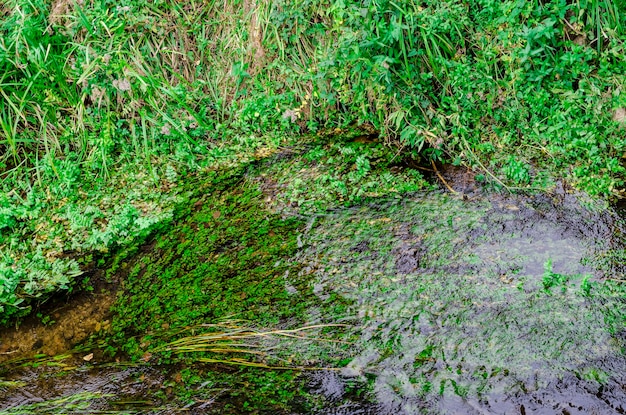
column 226, row 259
column 342, row 173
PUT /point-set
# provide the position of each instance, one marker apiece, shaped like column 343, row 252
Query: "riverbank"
column 369, row 188
column 106, row 108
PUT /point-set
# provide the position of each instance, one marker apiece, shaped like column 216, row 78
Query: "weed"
column 552, row 279
column 46, row 320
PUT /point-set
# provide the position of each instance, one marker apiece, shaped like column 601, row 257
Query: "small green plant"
column 552, row 279
column 585, row 286
column 45, row 319
column 516, row 171
column 87, row 285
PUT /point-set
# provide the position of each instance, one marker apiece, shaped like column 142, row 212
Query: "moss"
column 225, row 258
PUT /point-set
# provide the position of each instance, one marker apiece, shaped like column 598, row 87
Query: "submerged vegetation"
column 213, row 290
column 216, row 134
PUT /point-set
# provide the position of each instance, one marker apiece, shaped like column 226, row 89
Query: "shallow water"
column 98, row 388
column 485, row 306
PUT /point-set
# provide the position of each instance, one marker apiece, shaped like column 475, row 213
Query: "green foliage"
column 342, row 174
column 46, row 230
column 94, row 93
column 35, row 90
column 552, row 279
column 528, row 80
column 516, row 171
column 245, row 391
column 537, row 81
column 225, row 261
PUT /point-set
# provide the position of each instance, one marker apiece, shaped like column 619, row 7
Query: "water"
column 497, row 305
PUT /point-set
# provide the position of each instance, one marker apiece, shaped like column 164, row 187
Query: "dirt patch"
column 63, row 323
column 60, row 10
column 461, row 179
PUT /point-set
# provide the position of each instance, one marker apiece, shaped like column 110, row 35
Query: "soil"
column 61, row 323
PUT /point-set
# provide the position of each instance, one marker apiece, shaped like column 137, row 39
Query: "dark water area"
column 98, row 388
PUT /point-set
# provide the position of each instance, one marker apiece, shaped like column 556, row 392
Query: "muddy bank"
column 60, row 324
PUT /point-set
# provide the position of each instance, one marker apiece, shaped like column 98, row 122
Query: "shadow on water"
column 498, row 305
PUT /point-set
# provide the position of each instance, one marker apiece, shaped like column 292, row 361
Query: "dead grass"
column 233, row 340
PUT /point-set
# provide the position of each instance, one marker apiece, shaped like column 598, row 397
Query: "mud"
column 63, row 322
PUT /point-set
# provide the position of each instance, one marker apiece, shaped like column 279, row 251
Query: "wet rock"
column 407, row 258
